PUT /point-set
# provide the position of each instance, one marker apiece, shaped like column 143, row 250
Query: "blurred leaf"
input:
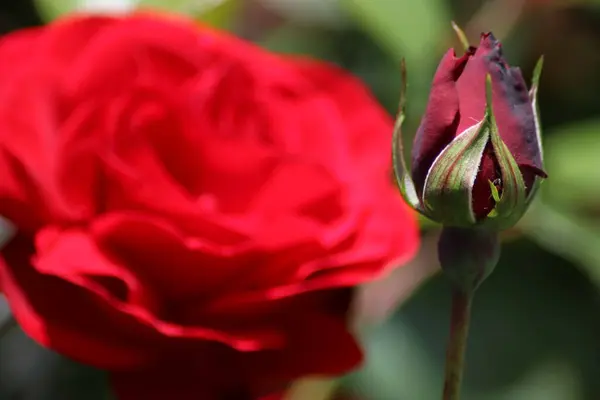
column 172, row 5
column 291, row 39
column 221, row 15
column 7, row 322
column 550, row 380
column 560, row 220
column 408, row 29
column 571, row 157
column 313, row 389
column 323, row 13
column 534, row 332
column 398, row 366
column 214, row 12
column 565, row 234
column 52, row 9
column 29, row 371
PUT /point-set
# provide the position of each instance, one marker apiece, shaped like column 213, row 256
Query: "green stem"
column 455, row 352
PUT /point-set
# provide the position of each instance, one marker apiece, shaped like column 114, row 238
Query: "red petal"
column 318, row 344
column 67, row 318
column 30, row 154
column 343, row 101
column 510, row 101
column 378, row 248
column 148, row 248
column 439, row 123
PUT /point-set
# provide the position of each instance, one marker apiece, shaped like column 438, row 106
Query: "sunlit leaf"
column 214, row 12
column 571, row 158
column 220, row 15
column 409, row 29
column 406, row 28
column 564, row 233
column 52, row 9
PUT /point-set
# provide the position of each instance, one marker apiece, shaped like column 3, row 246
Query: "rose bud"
column 477, row 156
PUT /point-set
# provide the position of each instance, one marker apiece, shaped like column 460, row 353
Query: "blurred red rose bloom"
column 192, row 211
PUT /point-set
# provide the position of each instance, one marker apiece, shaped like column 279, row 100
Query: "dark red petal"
column 318, row 344
column 145, row 247
column 482, row 199
column 438, row 126
column 374, row 252
column 510, row 102
column 516, row 120
column 65, row 317
column 471, row 88
column 88, row 307
column 512, row 106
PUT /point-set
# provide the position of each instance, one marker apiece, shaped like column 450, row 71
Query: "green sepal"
column 512, row 202
column 533, row 91
column 495, row 193
column 448, row 189
column 401, row 171
column 461, row 36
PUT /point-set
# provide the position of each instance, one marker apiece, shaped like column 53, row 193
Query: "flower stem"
column 455, row 352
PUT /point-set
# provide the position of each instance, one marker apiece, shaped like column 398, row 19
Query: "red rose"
column 192, row 210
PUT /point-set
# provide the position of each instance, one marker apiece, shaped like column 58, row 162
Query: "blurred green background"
column 536, row 323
